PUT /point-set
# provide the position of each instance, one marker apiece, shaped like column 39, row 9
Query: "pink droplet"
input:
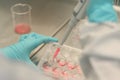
column 62, row 63
column 47, row 68
column 65, row 74
column 56, row 72
column 71, row 66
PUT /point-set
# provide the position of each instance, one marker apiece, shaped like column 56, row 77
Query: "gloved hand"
column 21, row 50
column 101, row 11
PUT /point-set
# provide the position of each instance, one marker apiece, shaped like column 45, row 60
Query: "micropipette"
column 77, row 15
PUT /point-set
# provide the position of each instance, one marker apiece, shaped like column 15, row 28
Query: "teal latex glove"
column 21, row 50
column 101, row 11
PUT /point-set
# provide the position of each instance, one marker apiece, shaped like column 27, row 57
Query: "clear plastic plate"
column 64, row 65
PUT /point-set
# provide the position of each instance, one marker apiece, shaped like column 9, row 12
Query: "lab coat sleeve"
column 101, row 38
column 101, row 42
column 11, row 70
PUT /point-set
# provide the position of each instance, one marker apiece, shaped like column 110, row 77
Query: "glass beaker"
column 21, row 14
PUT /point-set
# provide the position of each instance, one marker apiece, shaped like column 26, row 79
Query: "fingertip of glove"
column 50, row 39
column 53, row 39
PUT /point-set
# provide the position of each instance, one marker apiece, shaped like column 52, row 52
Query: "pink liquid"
column 71, row 66
column 56, row 70
column 22, row 28
column 47, row 69
column 65, row 74
column 62, row 63
column 56, row 53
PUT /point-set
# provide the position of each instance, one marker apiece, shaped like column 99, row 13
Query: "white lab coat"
column 100, row 44
column 12, row 70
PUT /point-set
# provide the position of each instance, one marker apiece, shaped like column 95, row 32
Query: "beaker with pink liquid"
column 21, row 14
